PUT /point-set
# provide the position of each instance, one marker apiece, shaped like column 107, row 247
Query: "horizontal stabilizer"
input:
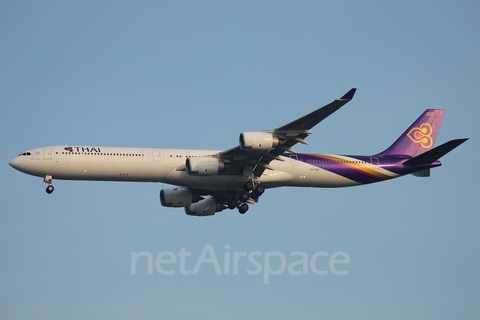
column 435, row 153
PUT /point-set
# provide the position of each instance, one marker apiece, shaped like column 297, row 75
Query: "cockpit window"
column 25, row 154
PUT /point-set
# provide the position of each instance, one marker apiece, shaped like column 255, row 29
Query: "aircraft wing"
column 285, row 137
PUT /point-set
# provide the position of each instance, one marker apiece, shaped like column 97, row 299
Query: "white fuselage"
column 162, row 165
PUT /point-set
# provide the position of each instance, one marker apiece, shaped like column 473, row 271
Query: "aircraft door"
column 374, row 161
column 294, row 160
column 156, row 155
column 47, row 154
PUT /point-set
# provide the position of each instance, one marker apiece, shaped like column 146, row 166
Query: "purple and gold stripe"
column 358, row 169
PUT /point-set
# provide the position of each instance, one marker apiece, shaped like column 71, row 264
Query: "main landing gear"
column 48, row 179
column 234, row 203
column 252, row 190
column 243, row 208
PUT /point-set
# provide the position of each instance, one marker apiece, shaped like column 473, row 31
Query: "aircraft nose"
column 14, row 163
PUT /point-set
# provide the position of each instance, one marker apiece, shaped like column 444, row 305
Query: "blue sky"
column 195, row 75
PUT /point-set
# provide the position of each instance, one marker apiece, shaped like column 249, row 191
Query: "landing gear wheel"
column 50, row 189
column 243, row 208
column 248, row 185
column 232, row 204
column 260, row 190
column 245, row 196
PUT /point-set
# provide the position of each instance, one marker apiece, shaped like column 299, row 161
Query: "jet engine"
column 258, row 141
column 205, row 207
column 204, row 166
column 178, row 197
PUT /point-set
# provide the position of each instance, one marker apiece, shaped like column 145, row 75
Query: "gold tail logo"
column 422, row 135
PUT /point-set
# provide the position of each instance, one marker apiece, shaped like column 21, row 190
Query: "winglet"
column 349, row 95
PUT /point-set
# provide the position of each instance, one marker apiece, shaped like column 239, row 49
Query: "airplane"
column 210, row 181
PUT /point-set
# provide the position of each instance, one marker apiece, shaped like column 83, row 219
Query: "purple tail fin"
column 419, row 137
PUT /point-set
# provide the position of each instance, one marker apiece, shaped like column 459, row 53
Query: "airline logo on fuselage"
column 83, row 149
column 422, row 135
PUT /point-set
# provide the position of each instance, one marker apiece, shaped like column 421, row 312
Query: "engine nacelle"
column 205, row 207
column 258, row 141
column 178, row 197
column 204, row 166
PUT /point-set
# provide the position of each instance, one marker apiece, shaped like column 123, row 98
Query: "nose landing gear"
column 48, row 179
column 50, row 189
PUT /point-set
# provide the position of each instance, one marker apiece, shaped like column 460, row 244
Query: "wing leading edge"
column 288, row 136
